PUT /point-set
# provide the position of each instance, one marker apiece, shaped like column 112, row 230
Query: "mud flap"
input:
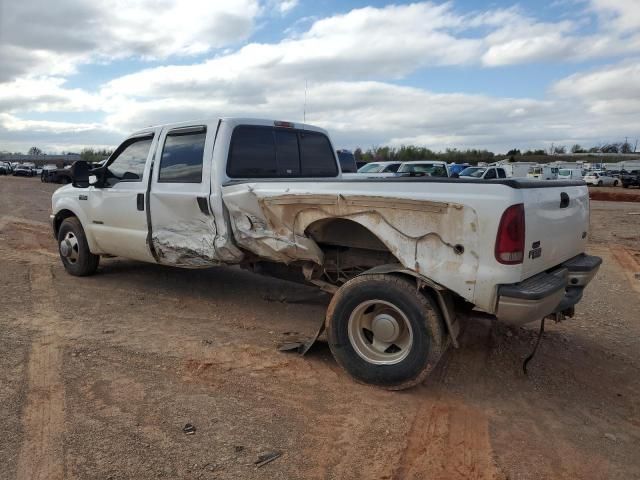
column 535, row 348
column 302, row 347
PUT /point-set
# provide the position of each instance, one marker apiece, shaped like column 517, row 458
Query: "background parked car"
column 484, row 173
column 5, row 168
column 424, row 168
column 58, row 175
column 600, row 179
column 23, row 171
column 45, row 171
column 380, row 167
column 631, row 179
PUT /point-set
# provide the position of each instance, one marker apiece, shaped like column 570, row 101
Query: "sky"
column 457, row 74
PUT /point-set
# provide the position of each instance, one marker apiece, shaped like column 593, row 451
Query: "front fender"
column 63, row 205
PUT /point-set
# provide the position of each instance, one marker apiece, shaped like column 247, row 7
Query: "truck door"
column 182, row 226
column 490, row 174
column 117, row 217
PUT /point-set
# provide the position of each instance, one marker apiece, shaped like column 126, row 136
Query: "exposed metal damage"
column 187, row 244
column 429, row 237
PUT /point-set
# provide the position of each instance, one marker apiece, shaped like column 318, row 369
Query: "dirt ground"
column 99, row 375
column 631, row 194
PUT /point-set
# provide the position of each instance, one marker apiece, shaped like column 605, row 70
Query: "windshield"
column 430, row 169
column 370, row 168
column 474, row 172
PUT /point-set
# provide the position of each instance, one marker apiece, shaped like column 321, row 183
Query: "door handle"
column 140, row 202
column 564, row 200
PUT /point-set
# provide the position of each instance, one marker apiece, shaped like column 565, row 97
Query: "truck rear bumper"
column 547, row 293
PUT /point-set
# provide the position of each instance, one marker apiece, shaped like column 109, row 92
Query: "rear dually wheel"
column 385, row 332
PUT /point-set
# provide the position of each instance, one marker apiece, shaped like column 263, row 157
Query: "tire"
column 395, row 299
column 615, row 183
column 74, row 252
column 600, row 183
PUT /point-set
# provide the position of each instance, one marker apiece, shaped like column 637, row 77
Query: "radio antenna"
column 304, row 109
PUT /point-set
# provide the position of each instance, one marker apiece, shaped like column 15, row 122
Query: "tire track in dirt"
column 447, row 440
column 41, row 454
column 629, row 262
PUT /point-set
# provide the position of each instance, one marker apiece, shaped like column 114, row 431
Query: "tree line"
column 408, row 153
column 94, row 155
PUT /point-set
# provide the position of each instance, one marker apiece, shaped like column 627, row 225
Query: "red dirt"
column 614, row 195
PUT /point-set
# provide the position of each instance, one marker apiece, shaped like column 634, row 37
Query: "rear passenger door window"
column 501, row 173
column 268, row 152
column 182, row 156
column 491, row 174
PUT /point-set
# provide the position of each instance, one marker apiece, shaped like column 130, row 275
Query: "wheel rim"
column 380, row 332
column 70, row 248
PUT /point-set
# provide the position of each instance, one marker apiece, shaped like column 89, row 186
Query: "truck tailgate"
column 556, row 226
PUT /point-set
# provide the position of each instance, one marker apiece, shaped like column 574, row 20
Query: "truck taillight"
column 510, row 239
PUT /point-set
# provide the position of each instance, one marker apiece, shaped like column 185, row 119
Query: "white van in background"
column 543, row 172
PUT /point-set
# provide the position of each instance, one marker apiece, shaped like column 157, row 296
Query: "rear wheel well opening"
column 59, row 218
column 349, row 249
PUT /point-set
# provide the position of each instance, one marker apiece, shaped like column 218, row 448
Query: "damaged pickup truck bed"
column 406, row 259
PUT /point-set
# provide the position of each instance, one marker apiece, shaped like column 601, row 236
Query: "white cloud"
column 613, row 91
column 613, row 82
column 285, row 6
column 619, row 14
column 45, row 94
column 38, row 35
column 338, row 56
column 18, row 134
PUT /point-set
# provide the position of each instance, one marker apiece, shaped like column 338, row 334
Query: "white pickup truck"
column 406, row 259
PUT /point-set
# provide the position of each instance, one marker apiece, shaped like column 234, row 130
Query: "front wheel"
column 615, row 183
column 600, row 183
column 74, row 249
column 385, row 332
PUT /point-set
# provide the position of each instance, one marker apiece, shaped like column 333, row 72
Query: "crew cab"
column 406, row 259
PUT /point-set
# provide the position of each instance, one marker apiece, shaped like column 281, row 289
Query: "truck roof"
column 234, row 121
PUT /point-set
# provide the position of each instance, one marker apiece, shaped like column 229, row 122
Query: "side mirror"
column 80, row 174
